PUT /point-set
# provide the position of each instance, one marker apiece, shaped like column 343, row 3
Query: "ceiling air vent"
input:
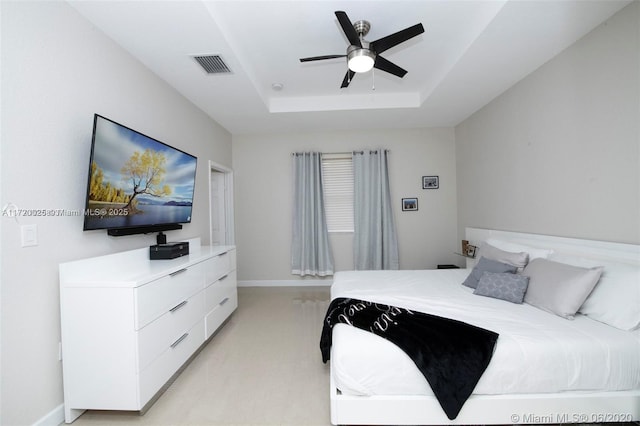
column 212, row 64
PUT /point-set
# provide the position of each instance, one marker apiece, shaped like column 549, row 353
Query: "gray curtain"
column 310, row 250
column 375, row 243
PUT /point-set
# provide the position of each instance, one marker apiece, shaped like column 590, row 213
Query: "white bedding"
column 537, row 352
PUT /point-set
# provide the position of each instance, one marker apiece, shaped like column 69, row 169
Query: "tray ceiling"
column 470, row 52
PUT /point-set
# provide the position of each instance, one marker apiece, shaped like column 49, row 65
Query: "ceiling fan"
column 363, row 55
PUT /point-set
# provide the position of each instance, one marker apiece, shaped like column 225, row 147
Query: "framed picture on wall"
column 430, row 182
column 409, row 204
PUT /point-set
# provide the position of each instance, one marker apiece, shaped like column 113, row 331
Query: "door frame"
column 229, row 224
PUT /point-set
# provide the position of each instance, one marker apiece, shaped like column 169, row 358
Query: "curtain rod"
column 344, row 153
column 371, row 151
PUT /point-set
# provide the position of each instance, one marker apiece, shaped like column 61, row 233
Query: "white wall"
column 263, row 188
column 559, row 153
column 57, row 71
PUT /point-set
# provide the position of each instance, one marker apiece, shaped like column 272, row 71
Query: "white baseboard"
column 285, row 283
column 54, row 418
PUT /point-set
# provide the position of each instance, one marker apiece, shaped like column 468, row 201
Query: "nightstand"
column 448, row 267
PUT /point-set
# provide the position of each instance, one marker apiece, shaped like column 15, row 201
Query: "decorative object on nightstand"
column 471, row 251
column 468, row 250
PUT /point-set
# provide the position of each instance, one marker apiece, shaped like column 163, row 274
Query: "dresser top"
column 131, row 268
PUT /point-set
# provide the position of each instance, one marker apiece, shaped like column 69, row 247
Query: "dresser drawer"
column 220, row 289
column 162, row 368
column 221, row 312
column 157, row 297
column 158, row 335
column 232, row 259
column 219, row 266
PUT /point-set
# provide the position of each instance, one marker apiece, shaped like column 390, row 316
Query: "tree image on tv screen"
column 146, row 173
column 143, row 171
column 105, row 192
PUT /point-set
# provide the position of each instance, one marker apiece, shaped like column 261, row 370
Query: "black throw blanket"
column 452, row 355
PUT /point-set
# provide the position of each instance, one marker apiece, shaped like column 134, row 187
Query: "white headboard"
column 591, row 249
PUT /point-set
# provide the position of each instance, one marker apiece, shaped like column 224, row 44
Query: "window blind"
column 337, row 176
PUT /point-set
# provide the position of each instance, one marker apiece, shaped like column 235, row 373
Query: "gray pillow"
column 519, row 260
column 505, row 286
column 559, row 288
column 486, row 265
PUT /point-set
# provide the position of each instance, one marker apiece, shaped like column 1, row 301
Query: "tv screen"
column 136, row 184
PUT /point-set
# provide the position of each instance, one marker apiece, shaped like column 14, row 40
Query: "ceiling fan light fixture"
column 360, row 60
column 362, row 55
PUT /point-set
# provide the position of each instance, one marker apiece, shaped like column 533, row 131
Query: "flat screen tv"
column 136, row 183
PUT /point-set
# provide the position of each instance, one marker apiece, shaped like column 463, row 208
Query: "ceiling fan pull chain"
column 373, row 74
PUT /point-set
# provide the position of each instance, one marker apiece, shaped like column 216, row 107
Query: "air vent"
column 212, row 64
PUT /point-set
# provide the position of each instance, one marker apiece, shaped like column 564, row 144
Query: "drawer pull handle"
column 177, row 342
column 173, row 274
column 178, row 306
column 224, row 277
column 225, row 300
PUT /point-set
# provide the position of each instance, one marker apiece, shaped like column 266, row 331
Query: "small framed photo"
column 430, row 182
column 409, row 204
column 465, row 245
column 471, row 251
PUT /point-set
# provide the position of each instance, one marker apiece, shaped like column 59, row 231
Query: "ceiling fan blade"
column 394, row 39
column 347, row 78
column 388, row 66
column 348, row 29
column 320, row 58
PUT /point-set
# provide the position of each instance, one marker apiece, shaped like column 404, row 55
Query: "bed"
column 548, row 365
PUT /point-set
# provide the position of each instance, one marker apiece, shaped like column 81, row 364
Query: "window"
column 337, row 176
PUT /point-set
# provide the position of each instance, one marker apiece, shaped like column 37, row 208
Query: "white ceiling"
column 470, row 52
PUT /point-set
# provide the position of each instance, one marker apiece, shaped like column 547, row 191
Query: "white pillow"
column 519, row 259
column 559, row 288
column 533, row 252
column 616, row 298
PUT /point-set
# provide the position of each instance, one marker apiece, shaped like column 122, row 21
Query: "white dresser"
column 129, row 323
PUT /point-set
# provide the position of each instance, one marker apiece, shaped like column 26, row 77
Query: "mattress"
column 537, row 352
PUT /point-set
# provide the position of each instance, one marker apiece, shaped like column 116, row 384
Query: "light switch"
column 29, row 235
